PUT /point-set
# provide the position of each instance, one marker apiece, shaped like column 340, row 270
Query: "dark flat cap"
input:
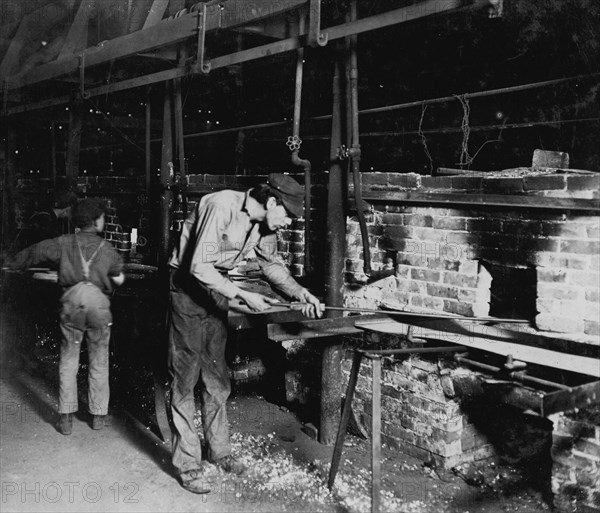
column 290, row 191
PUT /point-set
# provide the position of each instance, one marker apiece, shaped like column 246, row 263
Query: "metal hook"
column 315, row 36
column 201, row 27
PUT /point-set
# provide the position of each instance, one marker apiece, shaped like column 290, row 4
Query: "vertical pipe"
column 336, row 235
column 355, row 150
column 376, row 435
column 164, row 224
column 148, row 135
column 296, row 160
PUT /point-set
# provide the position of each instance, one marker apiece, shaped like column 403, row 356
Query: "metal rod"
column 299, row 304
column 517, row 376
column 376, row 436
column 371, row 353
column 341, row 434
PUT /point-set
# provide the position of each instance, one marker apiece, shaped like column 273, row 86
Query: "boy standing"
column 89, row 268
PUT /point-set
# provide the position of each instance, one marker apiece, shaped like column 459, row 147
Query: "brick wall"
column 536, row 263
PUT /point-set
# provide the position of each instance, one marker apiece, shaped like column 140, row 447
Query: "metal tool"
column 298, row 305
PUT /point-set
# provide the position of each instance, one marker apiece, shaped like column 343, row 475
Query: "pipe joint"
column 354, row 152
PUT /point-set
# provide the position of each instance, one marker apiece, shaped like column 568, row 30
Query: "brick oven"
column 501, row 244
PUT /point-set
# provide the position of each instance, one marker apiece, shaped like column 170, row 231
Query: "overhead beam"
column 165, row 33
column 11, row 57
column 339, row 31
column 157, row 11
column 76, row 39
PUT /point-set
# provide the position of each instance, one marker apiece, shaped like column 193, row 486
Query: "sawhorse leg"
column 375, row 430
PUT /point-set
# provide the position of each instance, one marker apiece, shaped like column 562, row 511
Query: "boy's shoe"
column 98, row 421
column 65, row 424
column 195, row 481
column 231, row 465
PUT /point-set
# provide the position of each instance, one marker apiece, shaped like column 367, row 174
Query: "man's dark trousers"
column 197, row 340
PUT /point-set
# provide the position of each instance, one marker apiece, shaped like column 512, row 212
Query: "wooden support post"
column 53, row 156
column 165, row 180
column 148, row 135
column 8, row 191
column 341, row 434
column 164, row 227
column 331, row 374
column 74, row 138
column 376, row 435
column 180, row 142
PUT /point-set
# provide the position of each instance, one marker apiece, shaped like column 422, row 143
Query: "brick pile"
column 576, row 461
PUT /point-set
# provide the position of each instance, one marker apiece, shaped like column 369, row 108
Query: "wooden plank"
column 76, row 39
column 489, row 338
column 165, row 33
column 11, row 57
column 395, row 17
column 156, row 13
column 515, row 394
column 316, row 328
column 481, row 200
column 577, row 397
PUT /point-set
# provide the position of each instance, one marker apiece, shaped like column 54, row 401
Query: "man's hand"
column 313, row 308
column 256, row 302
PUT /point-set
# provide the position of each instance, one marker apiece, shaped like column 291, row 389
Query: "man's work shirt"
column 218, row 235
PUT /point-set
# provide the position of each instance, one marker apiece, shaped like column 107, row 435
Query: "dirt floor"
column 126, row 468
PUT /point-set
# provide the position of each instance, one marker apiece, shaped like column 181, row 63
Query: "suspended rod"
column 298, row 305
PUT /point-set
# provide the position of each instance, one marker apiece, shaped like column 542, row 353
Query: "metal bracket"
column 84, row 94
column 204, row 64
column 315, row 36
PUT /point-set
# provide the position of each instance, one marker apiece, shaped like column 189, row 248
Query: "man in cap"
column 218, row 234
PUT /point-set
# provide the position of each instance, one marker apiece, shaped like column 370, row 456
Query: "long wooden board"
column 492, row 339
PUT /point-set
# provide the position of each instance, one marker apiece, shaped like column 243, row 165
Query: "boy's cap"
column 290, row 191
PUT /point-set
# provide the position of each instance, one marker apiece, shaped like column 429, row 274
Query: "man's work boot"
column 231, row 465
column 98, row 421
column 65, row 423
column 195, row 481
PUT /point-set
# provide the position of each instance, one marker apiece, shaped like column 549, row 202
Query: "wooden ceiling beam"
column 11, row 57
column 76, row 40
column 168, row 32
column 157, row 11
